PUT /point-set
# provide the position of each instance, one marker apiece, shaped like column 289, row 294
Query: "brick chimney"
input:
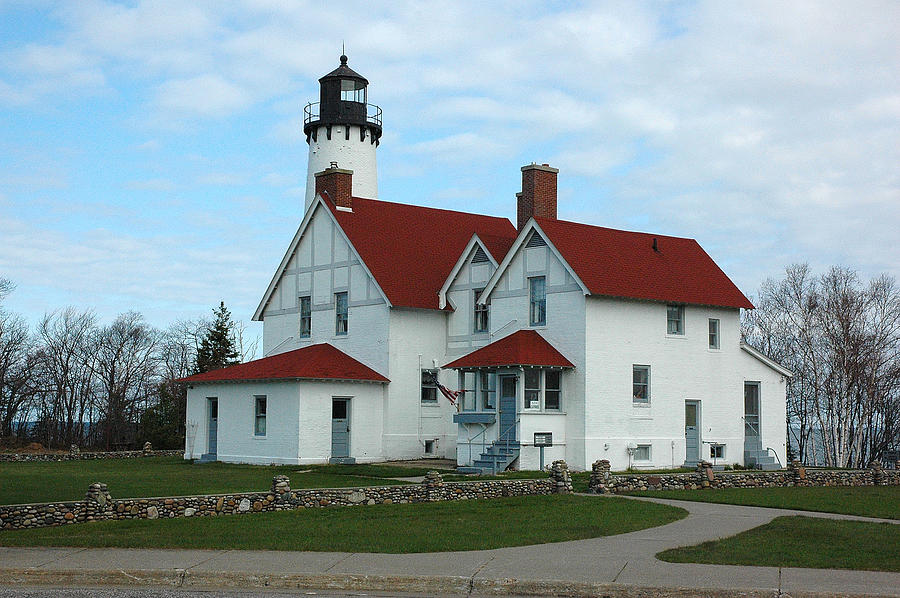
column 538, row 196
column 336, row 185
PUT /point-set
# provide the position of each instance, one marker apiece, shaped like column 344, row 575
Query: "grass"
column 802, row 542
column 866, row 501
column 423, row 527
column 173, row 476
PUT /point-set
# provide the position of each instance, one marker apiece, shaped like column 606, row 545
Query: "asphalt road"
column 39, row 592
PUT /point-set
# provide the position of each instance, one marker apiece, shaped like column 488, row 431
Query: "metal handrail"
column 482, row 433
column 769, row 448
column 311, row 113
column 503, row 433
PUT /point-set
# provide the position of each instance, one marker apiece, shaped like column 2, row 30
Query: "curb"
column 432, row 585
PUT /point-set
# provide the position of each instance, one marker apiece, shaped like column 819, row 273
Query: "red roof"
column 525, row 347
column 410, row 250
column 320, row 362
column 624, row 264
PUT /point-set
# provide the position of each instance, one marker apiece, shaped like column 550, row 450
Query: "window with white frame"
column 642, row 452
column 259, row 415
column 537, row 293
column 467, row 386
column 717, row 451
column 305, row 316
column 640, row 385
column 429, row 387
column 341, row 313
column 481, row 314
column 543, row 389
column 713, row 333
column 488, row 388
column 675, row 319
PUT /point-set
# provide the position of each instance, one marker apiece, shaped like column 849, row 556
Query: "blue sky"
column 152, row 157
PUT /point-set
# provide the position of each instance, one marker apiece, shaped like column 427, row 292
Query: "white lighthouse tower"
column 343, row 130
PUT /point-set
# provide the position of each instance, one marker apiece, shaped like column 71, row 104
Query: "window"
column 488, row 391
column 429, row 447
column 642, row 452
column 340, row 313
column 259, row 415
column 713, row 333
column 641, row 384
column 675, row 316
column 350, row 93
column 538, row 301
column 551, row 389
column 532, row 389
column 305, row 316
column 717, row 451
column 467, row 385
column 481, row 314
column 429, row 386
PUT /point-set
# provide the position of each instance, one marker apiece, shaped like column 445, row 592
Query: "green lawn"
column 802, row 542
column 867, row 501
column 173, row 476
column 424, row 527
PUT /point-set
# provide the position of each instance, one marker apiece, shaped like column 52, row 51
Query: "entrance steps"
column 757, row 458
column 495, row 459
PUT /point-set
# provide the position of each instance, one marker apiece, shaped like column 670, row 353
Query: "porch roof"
column 315, row 362
column 525, row 347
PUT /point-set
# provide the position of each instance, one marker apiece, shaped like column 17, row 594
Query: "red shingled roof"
column 624, row 264
column 320, row 362
column 410, row 250
column 525, row 347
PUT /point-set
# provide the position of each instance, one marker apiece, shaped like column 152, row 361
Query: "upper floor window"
column 259, row 415
column 481, row 314
column 429, row 386
column 675, row 316
column 543, row 389
column 713, row 333
column 305, row 316
column 341, row 313
column 351, row 91
column 640, row 385
column 537, row 292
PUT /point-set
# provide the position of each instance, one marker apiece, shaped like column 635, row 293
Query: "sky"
column 152, row 156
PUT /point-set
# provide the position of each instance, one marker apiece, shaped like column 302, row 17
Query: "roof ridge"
column 540, row 220
column 409, row 205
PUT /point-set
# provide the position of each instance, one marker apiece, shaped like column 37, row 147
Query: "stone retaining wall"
column 98, row 505
column 602, row 482
column 25, row 457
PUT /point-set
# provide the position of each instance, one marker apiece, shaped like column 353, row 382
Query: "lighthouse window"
column 351, row 91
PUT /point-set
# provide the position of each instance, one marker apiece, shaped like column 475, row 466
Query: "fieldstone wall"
column 76, row 455
column 602, row 482
column 98, row 505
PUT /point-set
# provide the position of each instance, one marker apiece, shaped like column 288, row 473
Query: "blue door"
column 340, row 428
column 507, row 408
column 692, row 432
column 212, row 426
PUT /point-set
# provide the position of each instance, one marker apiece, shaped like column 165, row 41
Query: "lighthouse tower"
column 343, row 130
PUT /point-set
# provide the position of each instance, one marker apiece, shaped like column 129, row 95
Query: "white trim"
column 520, row 240
column 769, row 362
column 292, row 248
column 463, row 258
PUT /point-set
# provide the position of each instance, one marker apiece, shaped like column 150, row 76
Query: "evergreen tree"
column 217, row 348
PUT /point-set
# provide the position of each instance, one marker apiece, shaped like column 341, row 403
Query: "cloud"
column 204, row 96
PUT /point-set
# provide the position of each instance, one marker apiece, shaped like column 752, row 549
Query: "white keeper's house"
column 567, row 341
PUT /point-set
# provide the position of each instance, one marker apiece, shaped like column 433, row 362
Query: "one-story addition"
column 563, row 340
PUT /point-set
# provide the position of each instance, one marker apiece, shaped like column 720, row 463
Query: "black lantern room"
column 342, row 101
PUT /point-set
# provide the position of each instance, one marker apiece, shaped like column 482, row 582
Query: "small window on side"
column 552, row 389
column 429, row 387
column 717, row 451
column 642, row 452
column 467, row 385
column 341, row 313
column 640, row 387
column 533, row 389
column 675, row 319
column 259, row 413
column 481, row 314
column 537, row 312
column 713, row 333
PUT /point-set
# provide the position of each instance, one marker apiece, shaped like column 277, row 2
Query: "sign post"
column 541, row 440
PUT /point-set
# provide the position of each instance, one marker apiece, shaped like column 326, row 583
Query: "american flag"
column 452, row 395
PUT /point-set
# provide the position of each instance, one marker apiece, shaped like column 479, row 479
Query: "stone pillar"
column 600, row 478
column 878, row 477
column 148, row 448
column 559, row 473
column 98, row 504
column 280, row 485
column 705, row 476
column 799, row 472
column 74, row 449
column 433, row 479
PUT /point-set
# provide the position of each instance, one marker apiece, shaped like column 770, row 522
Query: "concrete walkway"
column 622, row 565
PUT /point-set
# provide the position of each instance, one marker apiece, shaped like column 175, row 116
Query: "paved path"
column 614, row 565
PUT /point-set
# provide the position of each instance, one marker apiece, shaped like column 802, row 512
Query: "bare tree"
column 17, row 363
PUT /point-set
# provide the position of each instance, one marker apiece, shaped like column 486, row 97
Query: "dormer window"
column 481, row 314
column 537, row 305
column 353, row 91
